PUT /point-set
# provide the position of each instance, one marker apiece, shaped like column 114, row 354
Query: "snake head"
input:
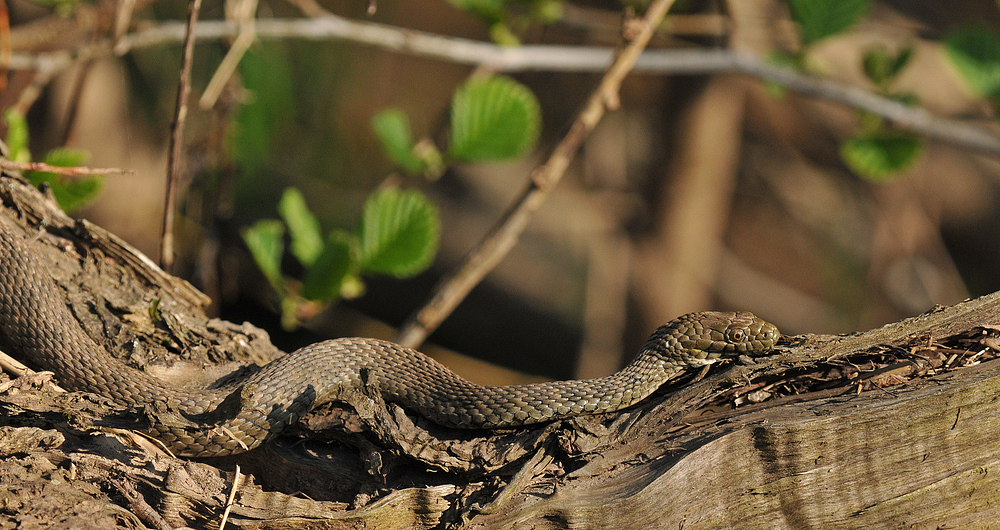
column 698, row 339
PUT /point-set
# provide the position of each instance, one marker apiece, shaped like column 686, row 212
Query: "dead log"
column 892, row 427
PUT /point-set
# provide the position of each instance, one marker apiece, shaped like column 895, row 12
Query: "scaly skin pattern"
column 35, row 321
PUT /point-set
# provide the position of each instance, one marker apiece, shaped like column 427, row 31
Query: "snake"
column 36, row 321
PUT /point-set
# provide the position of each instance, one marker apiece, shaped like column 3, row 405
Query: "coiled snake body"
column 35, row 320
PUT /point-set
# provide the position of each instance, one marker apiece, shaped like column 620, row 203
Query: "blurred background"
column 710, row 191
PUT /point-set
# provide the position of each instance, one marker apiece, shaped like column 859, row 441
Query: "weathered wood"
column 920, row 454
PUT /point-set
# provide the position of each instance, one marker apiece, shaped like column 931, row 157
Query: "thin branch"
column 177, row 139
column 232, row 498
column 540, row 57
column 77, row 171
column 451, row 290
column 242, row 12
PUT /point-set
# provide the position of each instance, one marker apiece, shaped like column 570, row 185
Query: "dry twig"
column 177, row 139
column 77, row 171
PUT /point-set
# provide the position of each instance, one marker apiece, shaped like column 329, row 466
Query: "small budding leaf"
column 877, row 65
column 326, row 277
column 824, row 18
column 306, row 238
column 880, row 157
column 975, row 52
column 392, row 128
column 399, row 231
column 493, row 118
column 486, row 9
column 265, row 239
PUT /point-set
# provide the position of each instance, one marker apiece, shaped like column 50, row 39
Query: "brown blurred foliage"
column 700, row 192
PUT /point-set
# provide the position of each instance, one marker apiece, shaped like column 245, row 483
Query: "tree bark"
column 893, row 427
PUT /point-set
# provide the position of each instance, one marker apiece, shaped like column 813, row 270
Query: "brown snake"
column 36, row 321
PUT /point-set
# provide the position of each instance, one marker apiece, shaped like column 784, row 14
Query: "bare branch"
column 77, row 171
column 539, row 57
column 177, row 139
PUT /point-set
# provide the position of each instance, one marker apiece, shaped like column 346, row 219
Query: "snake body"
column 36, row 322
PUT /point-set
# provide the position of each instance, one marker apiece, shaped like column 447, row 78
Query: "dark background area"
column 700, row 192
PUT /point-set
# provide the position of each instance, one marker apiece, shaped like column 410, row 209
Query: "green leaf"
column 307, row 240
column 547, row 11
column 493, row 119
column 881, row 67
column 501, row 34
column 17, row 136
column 906, row 98
column 489, row 10
column 265, row 118
column 901, row 60
column 822, row 18
column 392, row 128
column 399, row 233
column 326, row 277
column 876, row 65
column 72, row 193
column 975, row 52
column 266, row 242
column 879, row 157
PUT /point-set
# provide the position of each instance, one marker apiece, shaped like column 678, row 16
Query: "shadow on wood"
column 872, row 429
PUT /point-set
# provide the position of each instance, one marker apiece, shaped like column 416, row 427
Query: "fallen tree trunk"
column 874, row 429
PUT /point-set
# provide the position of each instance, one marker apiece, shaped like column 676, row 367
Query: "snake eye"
column 737, row 335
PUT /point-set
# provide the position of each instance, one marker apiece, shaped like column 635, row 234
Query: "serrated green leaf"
column 72, row 193
column 399, row 233
column 823, row 18
column 392, row 127
column 325, row 278
column 878, row 158
column 307, row 239
column 493, row 119
column 975, row 52
column 266, row 242
column 17, row 136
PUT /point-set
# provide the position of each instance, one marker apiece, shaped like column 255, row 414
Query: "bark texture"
column 894, row 427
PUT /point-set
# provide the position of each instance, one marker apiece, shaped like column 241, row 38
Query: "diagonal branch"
column 451, row 290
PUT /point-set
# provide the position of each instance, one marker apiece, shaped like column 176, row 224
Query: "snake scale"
column 35, row 321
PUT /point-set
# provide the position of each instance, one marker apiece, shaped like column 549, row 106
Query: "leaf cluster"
column 876, row 152
column 492, row 118
column 506, row 18
column 397, row 235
